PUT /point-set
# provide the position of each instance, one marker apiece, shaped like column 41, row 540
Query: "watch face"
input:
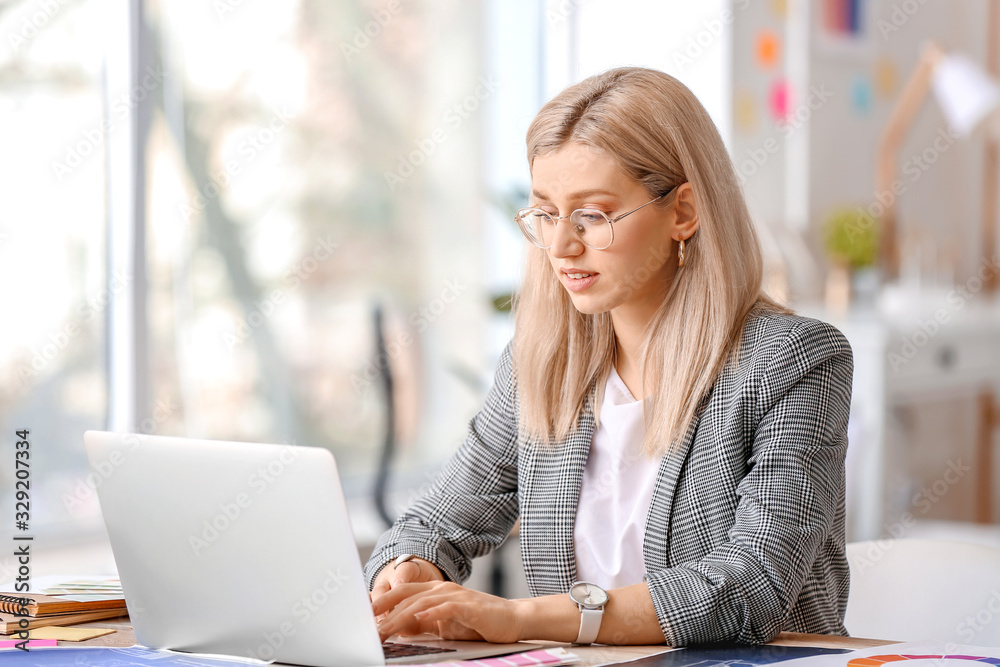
column 589, row 595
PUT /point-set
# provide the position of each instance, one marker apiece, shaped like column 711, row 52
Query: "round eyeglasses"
column 594, row 228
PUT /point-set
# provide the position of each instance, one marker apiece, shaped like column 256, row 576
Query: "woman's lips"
column 578, row 284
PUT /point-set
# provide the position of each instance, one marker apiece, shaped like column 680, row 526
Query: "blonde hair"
column 661, row 136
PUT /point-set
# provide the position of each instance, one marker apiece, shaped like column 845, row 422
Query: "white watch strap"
column 590, row 625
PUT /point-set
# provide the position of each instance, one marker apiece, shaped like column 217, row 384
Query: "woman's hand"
column 447, row 610
column 412, row 571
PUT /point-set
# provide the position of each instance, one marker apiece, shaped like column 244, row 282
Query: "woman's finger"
column 407, row 572
column 379, row 589
column 446, row 610
column 402, row 619
column 399, row 593
column 469, row 615
column 412, row 604
column 392, row 576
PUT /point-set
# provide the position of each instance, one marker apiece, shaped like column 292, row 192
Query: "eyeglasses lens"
column 592, row 227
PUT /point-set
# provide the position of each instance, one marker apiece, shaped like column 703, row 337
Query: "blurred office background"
column 212, row 210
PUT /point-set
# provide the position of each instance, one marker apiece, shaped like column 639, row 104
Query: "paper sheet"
column 135, row 656
column 73, row 634
column 910, row 654
column 738, row 655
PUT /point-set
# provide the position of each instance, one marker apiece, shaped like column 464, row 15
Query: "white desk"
column 590, row 655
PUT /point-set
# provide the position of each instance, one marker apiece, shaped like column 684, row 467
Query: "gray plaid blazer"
column 745, row 532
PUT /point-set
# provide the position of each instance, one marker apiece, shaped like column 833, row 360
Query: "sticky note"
column 33, row 643
column 768, row 49
column 885, row 77
column 861, row 93
column 746, row 112
column 779, row 99
column 68, row 634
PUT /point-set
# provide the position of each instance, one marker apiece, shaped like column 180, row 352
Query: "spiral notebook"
column 11, row 623
column 36, row 604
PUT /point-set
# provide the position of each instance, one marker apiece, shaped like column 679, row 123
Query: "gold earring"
column 680, row 254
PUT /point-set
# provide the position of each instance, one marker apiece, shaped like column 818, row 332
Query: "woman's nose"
column 565, row 241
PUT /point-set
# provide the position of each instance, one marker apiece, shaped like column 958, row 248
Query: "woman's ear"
column 685, row 212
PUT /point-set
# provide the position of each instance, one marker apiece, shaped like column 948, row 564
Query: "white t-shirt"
column 617, row 488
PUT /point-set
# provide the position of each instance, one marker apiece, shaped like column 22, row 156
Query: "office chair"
column 388, row 450
column 911, row 590
column 497, row 578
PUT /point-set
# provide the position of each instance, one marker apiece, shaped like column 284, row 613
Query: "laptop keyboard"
column 394, row 650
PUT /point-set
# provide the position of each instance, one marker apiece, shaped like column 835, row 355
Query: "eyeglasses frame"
column 611, row 221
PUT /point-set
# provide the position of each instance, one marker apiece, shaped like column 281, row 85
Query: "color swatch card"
column 550, row 657
column 910, row 654
column 735, row 655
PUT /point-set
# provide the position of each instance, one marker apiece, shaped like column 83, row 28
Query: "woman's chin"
column 587, row 305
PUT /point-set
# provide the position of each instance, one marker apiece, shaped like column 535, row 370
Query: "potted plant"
column 850, row 236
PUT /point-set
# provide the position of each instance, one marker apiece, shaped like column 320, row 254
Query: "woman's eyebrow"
column 582, row 194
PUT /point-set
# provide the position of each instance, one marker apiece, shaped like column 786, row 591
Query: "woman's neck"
column 629, row 331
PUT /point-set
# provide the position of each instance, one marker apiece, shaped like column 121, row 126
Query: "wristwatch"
column 590, row 598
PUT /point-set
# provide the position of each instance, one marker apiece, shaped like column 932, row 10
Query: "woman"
column 662, row 429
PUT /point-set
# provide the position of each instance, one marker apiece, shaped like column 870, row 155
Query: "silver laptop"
column 243, row 549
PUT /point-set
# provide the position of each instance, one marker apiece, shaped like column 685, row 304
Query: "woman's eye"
column 590, row 217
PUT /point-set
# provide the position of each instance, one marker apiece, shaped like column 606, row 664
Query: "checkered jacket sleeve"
column 744, row 536
column 755, row 539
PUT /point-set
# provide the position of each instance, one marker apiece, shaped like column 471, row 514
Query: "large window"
column 209, row 202
column 53, row 279
column 315, row 161
column 297, row 167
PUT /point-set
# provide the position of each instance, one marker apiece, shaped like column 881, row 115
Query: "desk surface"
column 590, row 655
